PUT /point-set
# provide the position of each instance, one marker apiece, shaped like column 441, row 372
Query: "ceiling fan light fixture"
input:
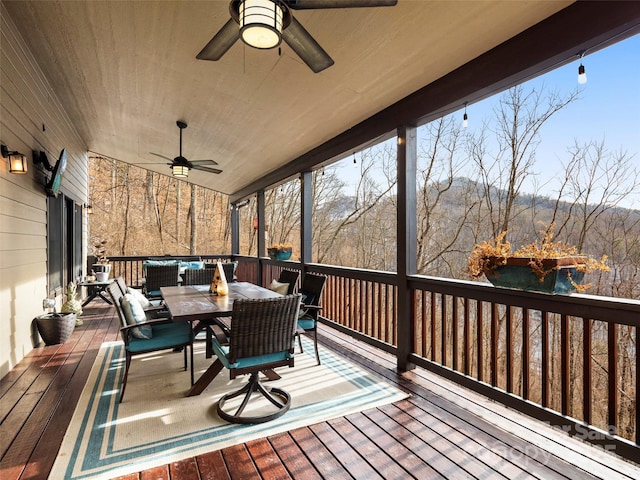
column 180, row 171
column 261, row 23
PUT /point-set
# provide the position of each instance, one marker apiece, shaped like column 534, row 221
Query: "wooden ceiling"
column 126, row 71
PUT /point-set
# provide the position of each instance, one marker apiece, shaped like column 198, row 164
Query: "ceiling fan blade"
column 206, row 169
column 319, row 4
column 204, row 162
column 161, row 156
column 306, row 47
column 221, row 42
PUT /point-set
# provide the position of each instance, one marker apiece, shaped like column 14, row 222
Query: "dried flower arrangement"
column 279, row 247
column 542, row 257
column 280, row 251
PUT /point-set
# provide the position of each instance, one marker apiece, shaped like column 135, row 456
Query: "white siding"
column 31, row 118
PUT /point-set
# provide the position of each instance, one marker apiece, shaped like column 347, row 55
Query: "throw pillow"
column 139, row 296
column 134, row 314
column 278, row 287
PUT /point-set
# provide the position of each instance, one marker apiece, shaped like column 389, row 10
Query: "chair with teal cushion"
column 157, row 276
column 197, row 276
column 161, row 334
column 261, row 338
column 290, row 277
column 311, row 290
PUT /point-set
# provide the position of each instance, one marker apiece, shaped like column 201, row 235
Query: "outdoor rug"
column 156, row 424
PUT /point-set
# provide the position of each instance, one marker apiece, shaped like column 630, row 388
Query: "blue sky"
column 608, row 108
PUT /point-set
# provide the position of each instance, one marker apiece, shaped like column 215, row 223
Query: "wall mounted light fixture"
column 88, row 208
column 17, row 160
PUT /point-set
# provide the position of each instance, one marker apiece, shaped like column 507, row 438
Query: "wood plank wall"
column 31, row 118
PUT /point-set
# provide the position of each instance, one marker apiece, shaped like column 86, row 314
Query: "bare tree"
column 442, row 191
column 519, row 117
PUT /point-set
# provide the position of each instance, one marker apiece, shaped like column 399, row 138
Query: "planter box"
column 56, row 328
column 517, row 274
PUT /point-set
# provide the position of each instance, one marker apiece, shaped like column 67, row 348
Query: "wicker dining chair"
column 164, row 334
column 201, row 276
column 157, row 276
column 261, row 338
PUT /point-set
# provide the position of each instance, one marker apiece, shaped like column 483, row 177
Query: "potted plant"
column 280, row 251
column 102, row 268
column 542, row 266
column 55, row 327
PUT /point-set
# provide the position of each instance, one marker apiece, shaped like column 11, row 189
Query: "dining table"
column 195, row 303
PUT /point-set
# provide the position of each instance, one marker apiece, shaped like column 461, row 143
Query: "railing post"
column 406, row 235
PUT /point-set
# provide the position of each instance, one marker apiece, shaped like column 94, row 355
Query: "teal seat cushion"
column 306, row 323
column 157, row 262
column 154, row 293
column 166, row 335
column 194, row 265
column 222, row 352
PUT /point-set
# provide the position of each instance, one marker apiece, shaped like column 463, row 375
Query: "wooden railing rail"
column 537, row 352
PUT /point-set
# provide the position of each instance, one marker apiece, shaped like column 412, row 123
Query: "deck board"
column 441, row 431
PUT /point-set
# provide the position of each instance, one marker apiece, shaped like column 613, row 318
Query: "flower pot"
column 561, row 277
column 101, row 271
column 56, row 328
column 275, row 254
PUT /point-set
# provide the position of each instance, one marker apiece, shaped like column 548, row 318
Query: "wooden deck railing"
column 568, row 359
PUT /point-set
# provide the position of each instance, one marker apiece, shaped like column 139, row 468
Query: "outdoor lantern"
column 582, row 75
column 261, row 23
column 17, row 161
column 465, row 117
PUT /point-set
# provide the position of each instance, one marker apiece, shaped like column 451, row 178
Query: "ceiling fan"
column 264, row 24
column 180, row 166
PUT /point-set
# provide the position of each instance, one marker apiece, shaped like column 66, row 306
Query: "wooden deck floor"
column 441, row 431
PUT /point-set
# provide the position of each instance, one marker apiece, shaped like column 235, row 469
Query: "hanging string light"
column 582, row 74
column 465, row 117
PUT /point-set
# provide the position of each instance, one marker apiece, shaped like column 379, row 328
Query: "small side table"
column 96, row 289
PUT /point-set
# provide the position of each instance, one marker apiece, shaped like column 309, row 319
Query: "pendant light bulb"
column 465, row 117
column 582, row 75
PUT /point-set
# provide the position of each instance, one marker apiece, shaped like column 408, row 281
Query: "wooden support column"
column 407, row 167
column 235, row 229
column 261, row 232
column 306, row 202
